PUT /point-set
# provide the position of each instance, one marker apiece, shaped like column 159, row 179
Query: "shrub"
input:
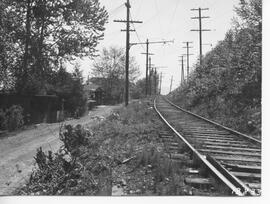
column 75, row 169
column 3, row 121
column 73, row 138
column 14, row 117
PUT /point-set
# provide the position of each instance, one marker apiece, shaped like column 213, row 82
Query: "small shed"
column 94, row 94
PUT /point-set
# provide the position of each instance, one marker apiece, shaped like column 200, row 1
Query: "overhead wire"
column 157, row 10
column 173, row 16
column 136, row 32
column 115, row 9
column 139, row 8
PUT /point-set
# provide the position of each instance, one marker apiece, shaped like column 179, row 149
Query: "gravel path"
column 18, row 149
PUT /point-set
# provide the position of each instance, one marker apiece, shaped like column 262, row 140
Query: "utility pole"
column 160, row 81
column 150, row 75
column 127, row 21
column 200, row 17
column 182, row 70
column 147, row 65
column 156, row 79
column 188, row 54
column 147, row 43
column 155, row 83
column 151, row 71
column 171, row 84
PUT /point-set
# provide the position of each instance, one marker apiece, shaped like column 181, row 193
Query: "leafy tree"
column 69, row 86
column 137, row 89
column 9, row 49
column 110, row 69
column 50, row 32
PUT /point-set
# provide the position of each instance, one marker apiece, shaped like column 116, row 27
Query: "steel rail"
column 228, row 175
column 201, row 157
column 215, row 123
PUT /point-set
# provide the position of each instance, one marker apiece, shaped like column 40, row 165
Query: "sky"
column 166, row 20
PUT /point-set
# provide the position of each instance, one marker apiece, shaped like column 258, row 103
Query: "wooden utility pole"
column 147, row 65
column 150, row 75
column 200, row 17
column 155, row 82
column 188, row 54
column 182, row 70
column 151, row 71
column 156, row 79
column 127, row 21
column 147, row 43
column 171, row 84
column 160, row 81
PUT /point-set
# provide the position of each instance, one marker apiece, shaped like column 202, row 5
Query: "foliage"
column 39, row 36
column 3, row 121
column 73, row 138
column 12, row 118
column 69, row 86
column 137, row 90
column 74, row 170
column 109, row 68
column 89, row 159
column 227, row 87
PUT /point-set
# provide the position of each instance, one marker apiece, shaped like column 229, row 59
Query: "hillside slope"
column 227, row 86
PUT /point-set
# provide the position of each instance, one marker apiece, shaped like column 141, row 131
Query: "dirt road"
column 18, row 149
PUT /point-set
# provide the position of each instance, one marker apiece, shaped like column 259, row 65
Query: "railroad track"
column 231, row 157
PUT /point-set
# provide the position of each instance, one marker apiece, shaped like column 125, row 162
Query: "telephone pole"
column 155, row 82
column 147, row 43
column 160, row 81
column 150, row 75
column 182, row 70
column 200, row 17
column 147, row 65
column 171, row 84
column 156, row 79
column 188, row 54
column 127, row 21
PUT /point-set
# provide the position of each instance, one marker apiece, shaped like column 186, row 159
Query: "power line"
column 160, row 27
column 170, row 24
column 136, row 32
column 115, row 9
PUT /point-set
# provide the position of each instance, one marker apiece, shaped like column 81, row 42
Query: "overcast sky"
column 166, row 20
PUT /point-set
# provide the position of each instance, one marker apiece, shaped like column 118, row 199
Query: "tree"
column 69, row 86
column 9, row 49
column 110, row 69
column 51, row 32
column 137, row 90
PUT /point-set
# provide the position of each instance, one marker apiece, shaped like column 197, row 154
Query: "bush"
column 3, row 121
column 14, row 117
column 73, row 138
column 75, row 169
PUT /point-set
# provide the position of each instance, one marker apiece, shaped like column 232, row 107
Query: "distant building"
column 94, row 94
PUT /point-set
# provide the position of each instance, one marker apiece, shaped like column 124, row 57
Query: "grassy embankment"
column 124, row 151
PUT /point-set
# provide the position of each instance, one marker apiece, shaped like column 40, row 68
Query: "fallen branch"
column 127, row 160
